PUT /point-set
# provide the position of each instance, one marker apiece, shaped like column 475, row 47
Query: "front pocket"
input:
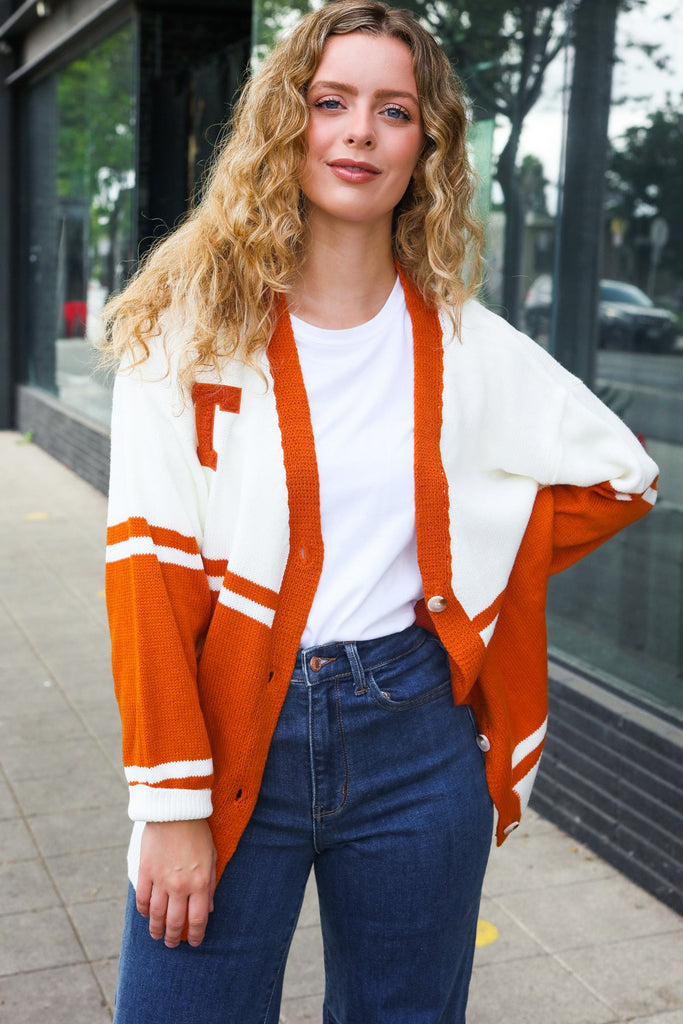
column 396, row 695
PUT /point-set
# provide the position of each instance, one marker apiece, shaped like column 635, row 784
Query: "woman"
column 338, row 488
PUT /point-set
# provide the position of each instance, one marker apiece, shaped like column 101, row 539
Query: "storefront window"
column 81, row 216
column 617, row 614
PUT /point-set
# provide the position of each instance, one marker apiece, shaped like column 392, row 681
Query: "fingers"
column 176, row 916
column 214, row 881
column 197, row 917
column 143, row 893
column 177, row 880
column 158, row 906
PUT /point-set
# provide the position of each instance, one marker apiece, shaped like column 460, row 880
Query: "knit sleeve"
column 158, row 597
column 603, row 478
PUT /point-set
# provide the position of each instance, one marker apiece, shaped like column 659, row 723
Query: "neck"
column 346, row 276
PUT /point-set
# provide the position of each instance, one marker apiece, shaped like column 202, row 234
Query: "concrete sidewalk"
column 568, row 939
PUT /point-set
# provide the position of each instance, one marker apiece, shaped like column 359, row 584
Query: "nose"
column 359, row 132
column 365, row 141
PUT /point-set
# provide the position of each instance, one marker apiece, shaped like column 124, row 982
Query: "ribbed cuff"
column 154, row 803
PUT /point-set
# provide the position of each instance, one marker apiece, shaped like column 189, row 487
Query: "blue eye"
column 397, row 113
column 327, row 104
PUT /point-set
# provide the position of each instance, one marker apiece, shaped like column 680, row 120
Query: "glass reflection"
column 95, row 208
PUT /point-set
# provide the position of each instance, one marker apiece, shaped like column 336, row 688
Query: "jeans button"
column 316, row 663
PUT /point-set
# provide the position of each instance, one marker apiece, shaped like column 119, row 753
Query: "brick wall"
column 77, row 442
column 612, row 776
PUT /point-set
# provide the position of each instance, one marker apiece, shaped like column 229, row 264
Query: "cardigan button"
column 510, row 828
column 437, row 603
column 483, row 742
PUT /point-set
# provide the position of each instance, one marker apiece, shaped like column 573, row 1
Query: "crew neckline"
column 327, row 335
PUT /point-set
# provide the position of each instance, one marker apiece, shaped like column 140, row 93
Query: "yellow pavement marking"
column 486, row 933
column 36, row 515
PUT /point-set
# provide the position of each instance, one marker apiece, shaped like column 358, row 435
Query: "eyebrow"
column 379, row 94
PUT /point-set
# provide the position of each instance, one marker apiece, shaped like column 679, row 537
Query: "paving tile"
column 304, row 975
column 512, row 941
column 41, row 726
column 82, row 830
column 65, row 995
column 37, row 939
column 533, row 991
column 61, row 644
column 638, row 976
column 85, row 678
column 26, row 760
column 91, row 875
column 33, row 692
column 16, row 842
column 310, row 912
column 106, row 972
column 99, row 925
column 8, row 805
column 301, row 1011
column 676, row 1017
column 110, row 743
column 532, row 824
column 102, row 787
column 541, row 860
column 589, row 913
column 25, row 885
column 100, row 712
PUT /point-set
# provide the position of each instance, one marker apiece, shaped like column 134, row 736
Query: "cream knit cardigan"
column 214, row 550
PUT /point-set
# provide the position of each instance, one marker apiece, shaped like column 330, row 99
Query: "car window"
column 613, row 292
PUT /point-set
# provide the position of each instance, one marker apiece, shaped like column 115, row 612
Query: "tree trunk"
column 514, row 226
column 575, row 313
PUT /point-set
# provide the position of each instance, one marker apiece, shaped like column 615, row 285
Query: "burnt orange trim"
column 431, row 494
column 195, row 782
column 215, row 566
column 137, row 526
column 242, row 716
column 252, row 591
column 207, row 398
column 305, row 560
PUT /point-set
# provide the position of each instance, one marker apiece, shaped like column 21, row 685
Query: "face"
column 365, row 132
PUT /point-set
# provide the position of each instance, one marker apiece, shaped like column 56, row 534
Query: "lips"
column 354, row 165
column 355, row 172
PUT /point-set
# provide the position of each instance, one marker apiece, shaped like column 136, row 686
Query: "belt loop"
column 357, row 670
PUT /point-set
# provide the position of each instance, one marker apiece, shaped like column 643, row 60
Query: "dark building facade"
column 109, row 111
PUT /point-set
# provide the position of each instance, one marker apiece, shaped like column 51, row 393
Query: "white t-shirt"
column 359, row 383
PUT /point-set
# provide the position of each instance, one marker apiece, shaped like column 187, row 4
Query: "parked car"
column 627, row 318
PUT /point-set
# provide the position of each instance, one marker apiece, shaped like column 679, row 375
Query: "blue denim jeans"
column 375, row 780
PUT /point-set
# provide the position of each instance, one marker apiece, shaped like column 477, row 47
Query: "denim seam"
column 411, row 702
column 345, row 791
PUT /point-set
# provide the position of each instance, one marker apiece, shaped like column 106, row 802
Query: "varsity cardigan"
column 215, row 549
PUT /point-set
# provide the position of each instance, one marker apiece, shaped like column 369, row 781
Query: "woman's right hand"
column 177, row 879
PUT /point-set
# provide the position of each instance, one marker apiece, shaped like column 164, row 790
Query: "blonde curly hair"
column 221, row 271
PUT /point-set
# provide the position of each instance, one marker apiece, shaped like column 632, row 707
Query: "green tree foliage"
column 645, row 180
column 501, row 50
column 274, row 17
column 96, row 139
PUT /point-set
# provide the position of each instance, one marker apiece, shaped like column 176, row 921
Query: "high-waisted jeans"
column 375, row 779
